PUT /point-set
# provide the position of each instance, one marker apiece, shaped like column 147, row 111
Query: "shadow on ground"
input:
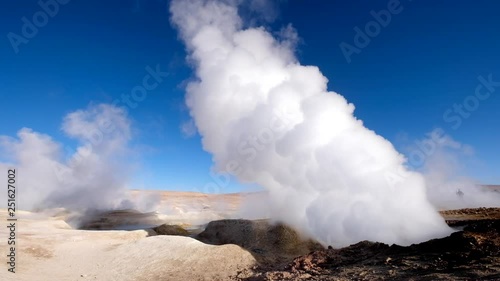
column 271, row 244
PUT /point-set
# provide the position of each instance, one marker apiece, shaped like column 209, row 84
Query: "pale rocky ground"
column 188, row 207
column 48, row 248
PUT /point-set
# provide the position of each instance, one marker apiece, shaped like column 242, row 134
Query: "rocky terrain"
column 49, row 249
column 280, row 253
column 200, row 237
column 269, row 243
column 472, row 253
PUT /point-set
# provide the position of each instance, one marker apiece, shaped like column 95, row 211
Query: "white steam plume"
column 271, row 121
column 91, row 177
column 444, row 170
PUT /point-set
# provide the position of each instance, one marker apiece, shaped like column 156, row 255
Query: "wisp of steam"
column 92, row 176
column 269, row 120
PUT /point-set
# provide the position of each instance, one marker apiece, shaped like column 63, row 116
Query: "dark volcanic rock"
column 117, row 219
column 167, row 229
column 471, row 254
column 269, row 243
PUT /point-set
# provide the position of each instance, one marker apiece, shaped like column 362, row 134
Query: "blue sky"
column 427, row 59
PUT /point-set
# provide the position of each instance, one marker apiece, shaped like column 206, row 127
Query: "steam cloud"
column 271, row 121
column 448, row 187
column 91, row 177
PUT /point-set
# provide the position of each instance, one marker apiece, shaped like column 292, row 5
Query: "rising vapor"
column 269, row 120
column 92, row 176
column 444, row 171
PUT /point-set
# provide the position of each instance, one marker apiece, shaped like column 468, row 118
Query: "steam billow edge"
column 273, row 121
